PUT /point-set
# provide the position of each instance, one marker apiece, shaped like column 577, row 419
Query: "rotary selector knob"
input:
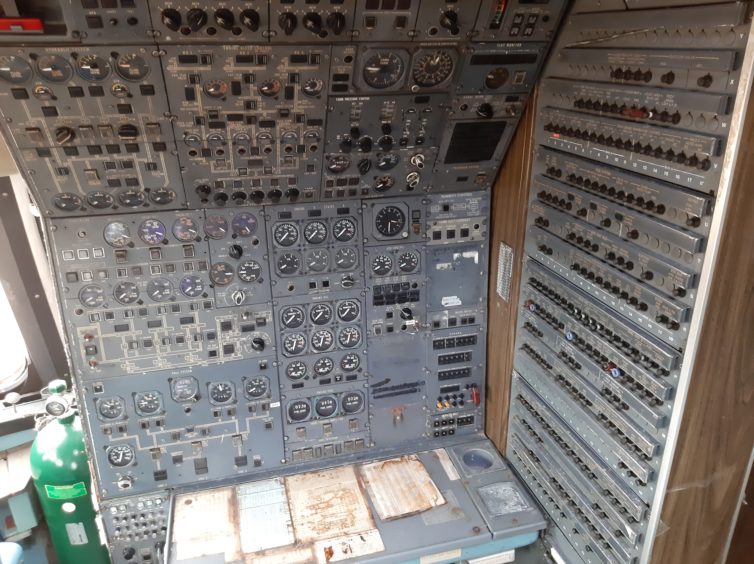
column 385, row 142
column 346, row 144
column 292, row 194
column 196, row 19
column 288, row 22
column 449, row 20
column 364, row 166
column 171, row 19
column 365, row 144
column 313, row 22
column 485, row 110
column 238, row 297
column 336, row 22
column 250, row 19
column 235, row 251
column 224, row 18
column 64, row 135
column 257, row 343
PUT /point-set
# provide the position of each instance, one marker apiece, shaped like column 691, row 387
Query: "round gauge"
column 312, row 87
column 42, row 92
column 111, row 408
column 288, row 263
column 184, row 388
column 350, row 362
column 256, row 387
column 162, row 195
column 294, row 343
column 117, row 234
column 131, row 198
column 160, row 289
column 389, row 221
column 67, row 201
column 14, row 69
column 148, row 403
column 337, row 163
column 320, row 314
column 388, row 161
column 344, row 230
column 92, row 296
column 384, row 183
column 296, row 370
column 382, row 264
column 56, row 406
column 93, row 67
column 322, row 340
column 126, row 292
column 221, row 273
column 326, row 406
column 131, row 67
column 285, row 234
column 221, row 392
column 317, row 260
column 216, row 88
column 54, row 68
column 352, row 402
column 249, row 271
column 408, row 261
column 348, row 310
column 120, row 455
column 216, row 226
column 315, row 232
column 292, row 317
column 496, row 78
column 383, row 69
column 349, row 337
column 432, row 68
column 152, row 231
column 323, row 366
column 119, row 90
column 244, row 224
column 185, row 229
column 299, row 410
column 99, row 200
column 270, row 88
column 191, row 286
column 346, row 258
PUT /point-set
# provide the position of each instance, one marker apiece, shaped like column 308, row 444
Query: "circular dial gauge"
column 131, row 67
column 221, row 273
column 388, row 162
column 312, row 87
column 285, row 234
column 348, row 310
column 244, row 224
column 119, row 90
column 215, row 88
column 148, row 403
column 132, row 198
column 99, row 199
column 323, row 366
column 346, row 258
column 496, row 78
column 432, row 68
column 256, row 387
column 382, row 264
column 384, row 183
column 14, row 69
column 389, row 221
column 294, row 343
column 299, row 410
column 184, row 388
column 249, row 271
column 317, row 260
column 54, row 68
column 352, row 402
column 111, row 408
column 320, row 314
column 216, row 226
column 296, row 370
column 92, row 295
column 67, row 201
column 349, row 337
column 288, row 263
column 322, row 340
column 160, row 289
column 185, row 229
column 383, row 69
column 152, row 232
column 120, row 455
column 344, row 230
column 126, row 292
column 292, row 317
column 192, row 286
column 408, row 261
column 326, row 406
column 270, row 88
column 315, row 232
column 338, row 163
column 117, row 234
column 221, row 392
column 350, row 362
column 93, row 67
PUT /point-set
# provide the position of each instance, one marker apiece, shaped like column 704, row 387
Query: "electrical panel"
column 631, row 135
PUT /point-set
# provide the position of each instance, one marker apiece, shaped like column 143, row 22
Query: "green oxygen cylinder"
column 60, row 470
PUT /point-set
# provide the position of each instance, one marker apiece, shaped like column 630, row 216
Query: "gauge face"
column 315, row 232
column 221, row 273
column 256, row 387
column 323, row 366
column 384, row 183
column 312, row 87
column 389, row 221
column 54, row 68
column 389, row 161
column 131, row 198
column 152, row 232
column 338, row 163
column 120, row 455
column 14, row 69
column 221, row 392
column 99, row 200
column 326, row 406
column 383, row 69
column 67, row 201
column 292, row 317
column 215, row 88
column 299, row 410
column 288, row 263
column 93, row 67
column 126, row 292
column 185, row 229
column 317, row 260
column 322, row 340
column 216, row 226
column 296, row 370
column 119, row 90
column 348, row 310
column 352, row 402
column 270, row 88
column 184, row 388
column 349, row 337
column 346, row 258
column 408, row 261
column 132, row 67
column 496, row 78
column 294, row 343
column 432, row 68
column 244, row 224
column 249, row 271
column 350, row 362
column 320, row 314
column 344, row 230
column 192, row 286
column 382, row 264
column 285, row 234
column 111, row 408
column 92, row 296
column 160, row 289
column 148, row 403
column 117, row 234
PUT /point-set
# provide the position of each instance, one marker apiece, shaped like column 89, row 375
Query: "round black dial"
column 496, row 78
column 93, row 67
column 383, row 69
column 352, row 402
column 67, row 201
column 120, row 455
column 299, row 410
column 296, row 370
column 315, row 232
column 160, row 289
column 295, row 343
column 257, row 387
column 185, row 229
column 382, row 264
column 132, row 67
column 320, row 314
column 349, row 337
column 221, row 273
column 344, row 230
column 432, row 68
column 326, row 406
column 126, row 292
column 216, row 88
column 292, row 317
column 350, row 362
column 286, row 234
column 152, row 231
column 323, row 366
column 92, row 296
column 54, row 68
column 216, row 226
column 322, row 340
column 148, row 403
column 117, row 234
column 408, row 261
column 191, row 286
column 244, row 224
column 111, row 408
column 312, row 87
column 184, row 388
column 221, row 392
column 346, row 258
column 249, row 271
column 389, row 221
column 348, row 310
column 14, row 69
column 288, row 263
column 317, row 260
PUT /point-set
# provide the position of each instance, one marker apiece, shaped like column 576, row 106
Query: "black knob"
column 346, row 144
column 292, row 194
column 250, row 19
column 336, row 22
column 64, row 134
column 364, row 166
column 196, row 19
column 257, row 343
column 313, row 22
column 257, row 196
column 705, row 81
column 288, row 22
column 235, row 251
column 485, row 110
column 171, row 19
column 386, row 128
column 355, row 132
column 275, row 195
column 129, row 552
column 203, row 190
column 365, row 144
column 224, row 18
column 449, row 20
column 385, row 142
column 407, row 314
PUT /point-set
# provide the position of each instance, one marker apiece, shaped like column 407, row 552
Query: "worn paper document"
column 204, row 523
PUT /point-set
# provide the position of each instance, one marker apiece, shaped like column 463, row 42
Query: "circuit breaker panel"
column 631, row 133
